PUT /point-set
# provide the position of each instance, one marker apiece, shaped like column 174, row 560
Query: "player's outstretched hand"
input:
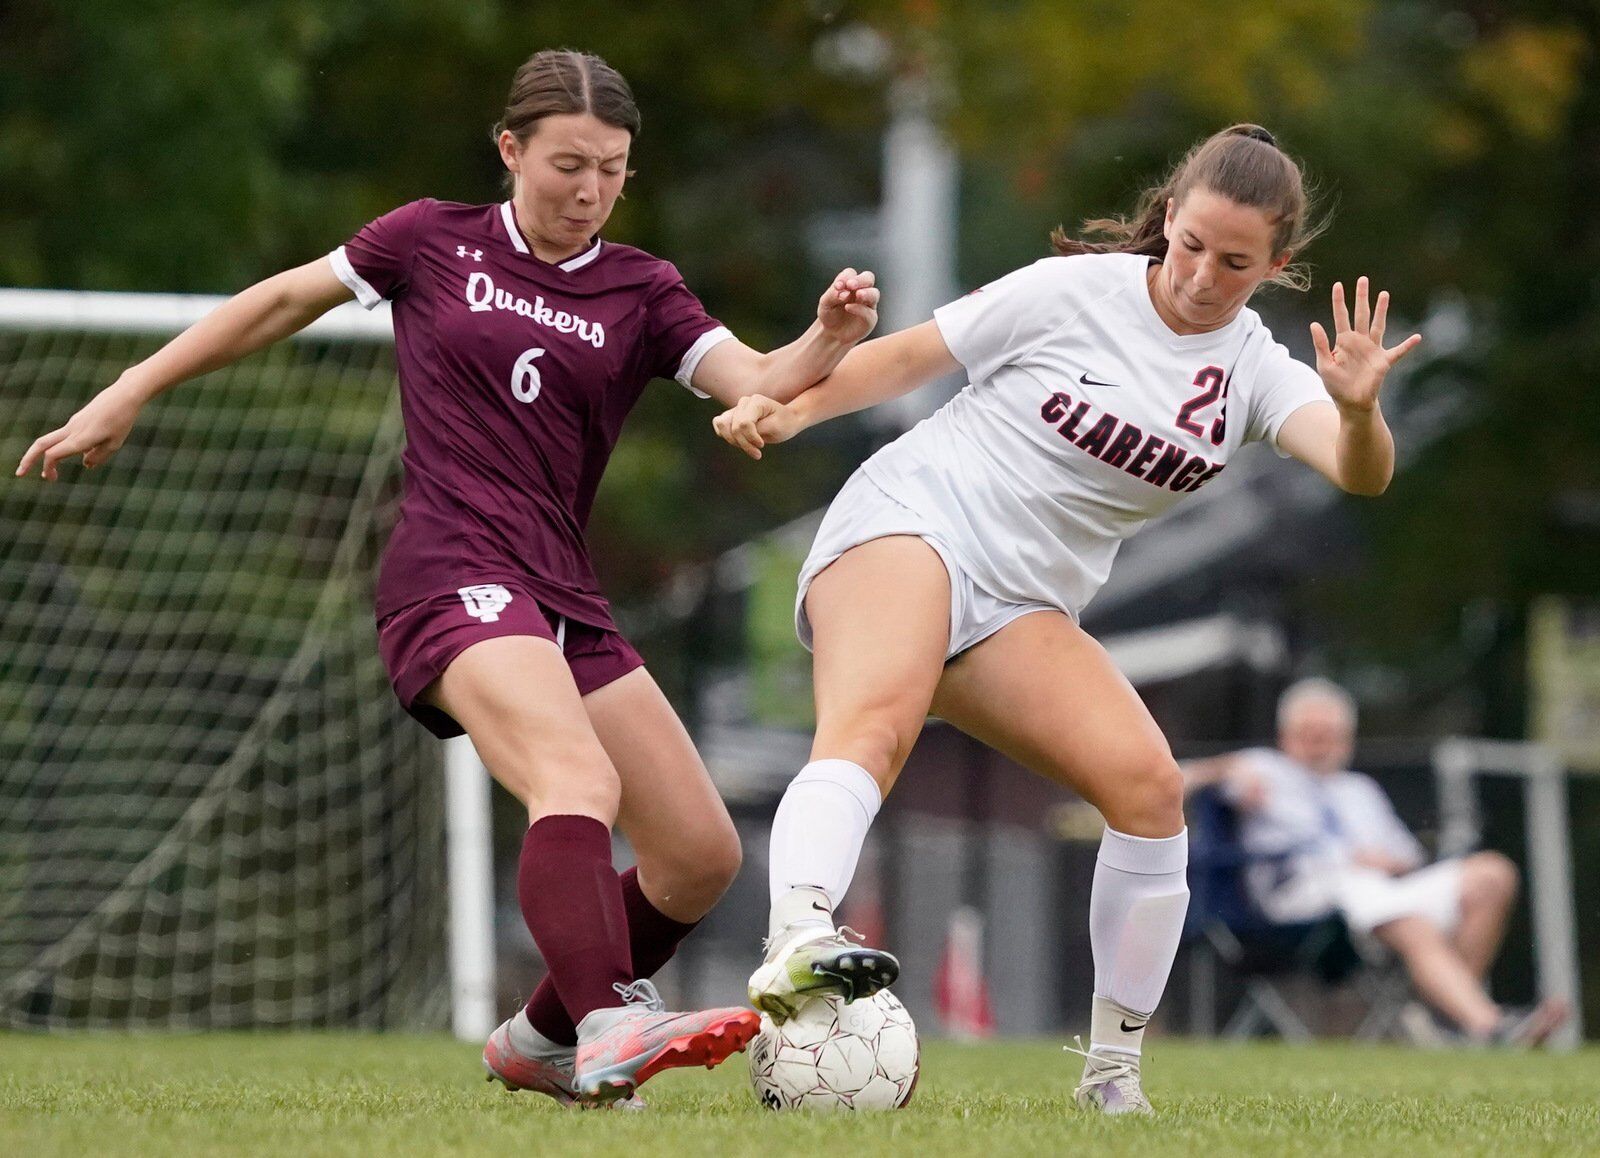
column 756, row 421
column 849, row 307
column 97, row 432
column 1353, row 368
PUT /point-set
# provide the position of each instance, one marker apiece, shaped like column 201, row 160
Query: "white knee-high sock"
column 817, row 835
column 1136, row 915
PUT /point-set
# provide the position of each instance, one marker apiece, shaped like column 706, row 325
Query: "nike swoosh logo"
column 1126, row 1028
column 1088, row 381
column 821, row 908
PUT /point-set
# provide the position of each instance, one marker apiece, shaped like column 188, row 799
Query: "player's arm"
column 873, row 372
column 1348, row 441
column 247, row 322
column 1352, row 449
column 846, row 313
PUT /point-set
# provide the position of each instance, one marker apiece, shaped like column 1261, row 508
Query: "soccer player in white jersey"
column 949, row 573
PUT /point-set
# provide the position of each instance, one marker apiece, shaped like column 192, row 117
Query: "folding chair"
column 1225, row 927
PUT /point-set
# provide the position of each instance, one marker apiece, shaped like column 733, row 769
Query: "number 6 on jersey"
column 525, row 381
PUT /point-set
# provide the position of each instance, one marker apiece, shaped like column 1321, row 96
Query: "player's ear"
column 510, row 150
column 1166, row 224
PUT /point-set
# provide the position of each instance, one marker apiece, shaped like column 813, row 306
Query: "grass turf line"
column 351, row 1094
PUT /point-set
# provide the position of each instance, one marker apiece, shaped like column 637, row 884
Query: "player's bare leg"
column 686, row 847
column 539, row 746
column 1488, row 890
column 516, row 698
column 880, row 618
column 685, row 842
column 1043, row 692
column 687, row 852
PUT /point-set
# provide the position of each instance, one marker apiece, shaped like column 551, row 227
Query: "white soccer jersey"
column 1085, row 416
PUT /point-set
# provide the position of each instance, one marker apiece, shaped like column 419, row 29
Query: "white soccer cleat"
column 1110, row 1083
column 813, row 959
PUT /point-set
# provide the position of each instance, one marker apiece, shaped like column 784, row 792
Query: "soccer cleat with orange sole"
column 620, row 1049
column 550, row 1076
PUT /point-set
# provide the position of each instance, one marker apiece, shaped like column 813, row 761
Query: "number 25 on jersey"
column 1213, row 385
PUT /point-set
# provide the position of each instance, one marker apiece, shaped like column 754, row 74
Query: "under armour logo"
column 485, row 601
column 474, row 254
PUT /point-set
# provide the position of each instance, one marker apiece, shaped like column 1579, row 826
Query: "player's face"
column 569, row 175
column 1318, row 735
column 1218, row 252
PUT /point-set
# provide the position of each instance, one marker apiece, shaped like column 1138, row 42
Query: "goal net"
column 212, row 811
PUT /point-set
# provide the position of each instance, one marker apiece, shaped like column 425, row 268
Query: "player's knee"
column 1148, row 798
column 719, row 862
column 873, row 739
column 696, row 872
column 598, row 794
column 552, row 777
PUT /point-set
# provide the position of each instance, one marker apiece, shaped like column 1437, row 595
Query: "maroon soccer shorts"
column 418, row 642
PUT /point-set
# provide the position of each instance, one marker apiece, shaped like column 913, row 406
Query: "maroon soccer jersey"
column 515, row 378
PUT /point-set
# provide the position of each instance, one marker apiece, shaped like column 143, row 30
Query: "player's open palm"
column 849, row 307
column 1354, row 366
column 97, row 432
column 755, row 421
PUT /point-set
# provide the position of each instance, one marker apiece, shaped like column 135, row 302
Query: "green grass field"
column 361, row 1095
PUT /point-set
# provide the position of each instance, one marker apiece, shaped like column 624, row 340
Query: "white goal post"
column 212, row 811
column 1457, row 763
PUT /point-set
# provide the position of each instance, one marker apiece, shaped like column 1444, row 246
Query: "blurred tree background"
column 197, row 145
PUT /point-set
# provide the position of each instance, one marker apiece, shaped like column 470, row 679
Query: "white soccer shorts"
column 861, row 512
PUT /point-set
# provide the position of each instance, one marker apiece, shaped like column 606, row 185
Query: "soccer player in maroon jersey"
column 523, row 340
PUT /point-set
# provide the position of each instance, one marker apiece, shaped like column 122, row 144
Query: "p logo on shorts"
column 485, row 601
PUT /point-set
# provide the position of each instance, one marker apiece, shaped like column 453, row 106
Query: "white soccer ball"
column 837, row 1057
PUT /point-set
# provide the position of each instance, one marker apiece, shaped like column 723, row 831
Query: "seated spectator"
column 1333, row 843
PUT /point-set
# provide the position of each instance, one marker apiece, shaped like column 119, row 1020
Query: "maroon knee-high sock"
column 572, row 901
column 653, row 938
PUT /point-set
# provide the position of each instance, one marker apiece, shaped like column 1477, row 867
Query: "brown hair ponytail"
column 1242, row 163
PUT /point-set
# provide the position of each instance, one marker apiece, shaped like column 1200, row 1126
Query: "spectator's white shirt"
column 1086, row 415
column 1367, row 820
column 1315, row 823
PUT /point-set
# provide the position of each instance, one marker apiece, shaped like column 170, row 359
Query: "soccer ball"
column 837, row 1057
